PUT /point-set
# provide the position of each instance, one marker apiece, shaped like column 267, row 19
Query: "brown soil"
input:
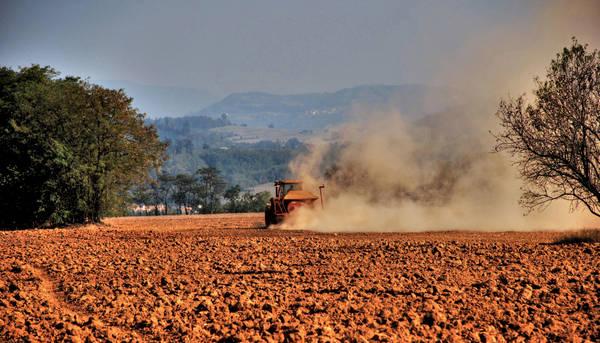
column 220, row 277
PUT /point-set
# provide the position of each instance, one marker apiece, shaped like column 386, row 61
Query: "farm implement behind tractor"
column 289, row 196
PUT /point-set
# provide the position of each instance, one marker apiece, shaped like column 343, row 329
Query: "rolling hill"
column 262, row 132
column 317, row 110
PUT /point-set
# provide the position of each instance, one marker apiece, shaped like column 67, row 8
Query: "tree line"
column 71, row 150
column 205, row 191
column 246, row 164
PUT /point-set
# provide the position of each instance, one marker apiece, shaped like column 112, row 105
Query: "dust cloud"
column 384, row 172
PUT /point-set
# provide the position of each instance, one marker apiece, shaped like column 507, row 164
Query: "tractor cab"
column 282, row 187
column 289, row 196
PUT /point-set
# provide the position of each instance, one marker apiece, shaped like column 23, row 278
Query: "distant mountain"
column 233, row 134
column 161, row 101
column 318, row 110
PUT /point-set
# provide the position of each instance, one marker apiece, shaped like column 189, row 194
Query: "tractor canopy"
column 291, row 190
column 289, row 196
column 299, row 195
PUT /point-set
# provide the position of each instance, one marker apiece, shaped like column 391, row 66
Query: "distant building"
column 142, row 209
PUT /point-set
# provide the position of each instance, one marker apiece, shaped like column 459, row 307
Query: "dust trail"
column 56, row 300
column 386, row 173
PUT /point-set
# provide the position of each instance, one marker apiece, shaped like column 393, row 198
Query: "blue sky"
column 278, row 46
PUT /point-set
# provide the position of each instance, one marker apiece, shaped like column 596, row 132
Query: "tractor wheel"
column 267, row 217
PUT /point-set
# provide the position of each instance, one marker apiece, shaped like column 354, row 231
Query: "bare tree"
column 556, row 139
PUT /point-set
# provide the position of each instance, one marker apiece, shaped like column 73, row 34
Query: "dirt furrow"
column 201, row 278
column 55, row 298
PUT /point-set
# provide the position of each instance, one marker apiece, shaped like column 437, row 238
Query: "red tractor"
column 289, row 196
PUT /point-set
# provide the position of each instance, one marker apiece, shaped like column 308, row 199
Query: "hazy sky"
column 277, row 46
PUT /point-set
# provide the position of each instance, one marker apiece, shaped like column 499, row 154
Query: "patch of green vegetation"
column 246, row 165
column 70, row 149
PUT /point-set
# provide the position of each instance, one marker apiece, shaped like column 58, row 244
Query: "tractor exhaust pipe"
column 321, row 195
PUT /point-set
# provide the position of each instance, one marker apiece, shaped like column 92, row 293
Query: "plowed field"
column 221, row 277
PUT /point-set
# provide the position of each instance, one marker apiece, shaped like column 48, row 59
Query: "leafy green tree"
column 556, row 139
column 122, row 148
column 258, row 201
column 143, row 195
column 253, row 202
column 71, row 149
column 232, row 194
column 164, row 190
column 155, row 195
column 40, row 179
column 185, row 193
column 188, row 191
column 211, row 188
